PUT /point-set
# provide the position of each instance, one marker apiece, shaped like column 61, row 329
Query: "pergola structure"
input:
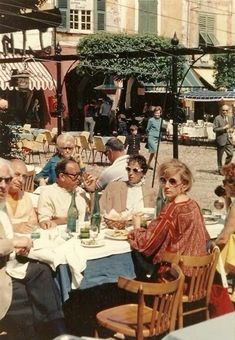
column 174, row 51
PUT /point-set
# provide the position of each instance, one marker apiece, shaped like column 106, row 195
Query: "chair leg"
column 96, row 335
column 180, row 316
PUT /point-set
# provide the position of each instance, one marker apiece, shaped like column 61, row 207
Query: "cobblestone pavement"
column 200, row 159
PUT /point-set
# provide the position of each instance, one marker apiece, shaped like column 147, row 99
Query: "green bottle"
column 95, row 211
column 72, row 215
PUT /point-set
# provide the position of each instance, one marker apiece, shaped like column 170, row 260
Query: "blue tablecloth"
column 99, row 271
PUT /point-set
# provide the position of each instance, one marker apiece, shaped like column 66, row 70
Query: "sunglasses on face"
column 72, row 176
column 67, row 148
column 135, row 170
column 172, row 181
column 7, row 180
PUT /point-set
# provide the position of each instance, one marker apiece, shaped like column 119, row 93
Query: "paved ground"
column 200, row 159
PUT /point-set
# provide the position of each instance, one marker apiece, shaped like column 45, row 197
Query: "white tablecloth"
column 56, row 251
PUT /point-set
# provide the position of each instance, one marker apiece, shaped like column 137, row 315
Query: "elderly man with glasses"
column 223, row 127
column 27, row 310
column 65, row 144
column 54, row 199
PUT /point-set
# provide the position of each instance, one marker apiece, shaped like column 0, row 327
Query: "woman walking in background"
column 153, row 133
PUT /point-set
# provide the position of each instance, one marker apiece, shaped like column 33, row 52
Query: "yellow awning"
column 207, row 75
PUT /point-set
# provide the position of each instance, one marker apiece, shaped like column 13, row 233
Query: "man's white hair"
column 5, row 162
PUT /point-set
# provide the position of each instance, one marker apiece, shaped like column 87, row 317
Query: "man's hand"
column 89, row 182
column 22, row 227
column 47, row 224
column 22, row 245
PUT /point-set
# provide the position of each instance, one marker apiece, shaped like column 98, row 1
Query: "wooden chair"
column 199, row 282
column 26, row 128
column 99, row 147
column 87, row 148
column 29, row 181
column 140, row 320
column 40, row 142
column 30, row 150
column 50, row 141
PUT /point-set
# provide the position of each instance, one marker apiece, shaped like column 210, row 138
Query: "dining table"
column 79, row 265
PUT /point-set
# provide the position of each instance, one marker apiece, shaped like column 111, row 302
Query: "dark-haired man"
column 116, row 171
column 54, row 199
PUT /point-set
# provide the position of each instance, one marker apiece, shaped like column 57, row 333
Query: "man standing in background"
column 223, row 127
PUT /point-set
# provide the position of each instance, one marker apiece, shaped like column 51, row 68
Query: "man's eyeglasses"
column 135, row 170
column 225, row 110
column 72, row 176
column 67, row 148
column 106, row 152
column 7, row 180
column 172, row 181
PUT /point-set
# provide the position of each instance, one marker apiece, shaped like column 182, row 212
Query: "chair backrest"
column 85, row 133
column 29, row 181
column 27, row 127
column 121, row 138
column 48, row 136
column 165, row 301
column 84, row 142
column 199, row 271
column 98, row 143
column 41, row 138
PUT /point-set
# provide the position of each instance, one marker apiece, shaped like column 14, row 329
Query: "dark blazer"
column 222, row 137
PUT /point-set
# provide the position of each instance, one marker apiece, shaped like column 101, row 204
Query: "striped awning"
column 39, row 76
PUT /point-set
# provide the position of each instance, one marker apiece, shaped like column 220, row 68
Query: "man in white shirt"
column 115, row 172
column 18, row 202
column 26, row 308
column 55, row 199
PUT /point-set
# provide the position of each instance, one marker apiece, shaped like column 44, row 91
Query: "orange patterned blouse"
column 178, row 229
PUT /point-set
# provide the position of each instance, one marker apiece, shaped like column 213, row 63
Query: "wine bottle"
column 72, row 215
column 95, row 211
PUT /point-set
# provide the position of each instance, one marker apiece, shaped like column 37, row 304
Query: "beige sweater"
column 115, row 197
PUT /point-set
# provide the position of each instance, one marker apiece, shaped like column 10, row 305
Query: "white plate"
column 99, row 243
column 116, row 235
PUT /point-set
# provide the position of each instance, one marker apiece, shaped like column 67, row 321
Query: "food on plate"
column 115, row 233
column 89, row 242
column 115, row 216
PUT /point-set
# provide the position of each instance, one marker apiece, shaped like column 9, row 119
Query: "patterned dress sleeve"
column 150, row 240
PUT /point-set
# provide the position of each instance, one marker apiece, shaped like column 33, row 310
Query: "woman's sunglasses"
column 135, row 170
column 172, row 181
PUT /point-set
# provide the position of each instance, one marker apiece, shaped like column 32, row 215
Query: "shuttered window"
column 148, row 16
column 207, row 30
column 100, row 15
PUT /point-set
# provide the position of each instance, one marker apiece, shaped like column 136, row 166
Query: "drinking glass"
column 94, row 231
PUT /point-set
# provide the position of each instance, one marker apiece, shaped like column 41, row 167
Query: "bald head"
column 20, row 172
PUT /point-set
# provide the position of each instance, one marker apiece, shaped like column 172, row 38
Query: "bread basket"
column 115, row 224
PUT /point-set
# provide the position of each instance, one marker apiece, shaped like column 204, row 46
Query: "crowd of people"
column 178, row 227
